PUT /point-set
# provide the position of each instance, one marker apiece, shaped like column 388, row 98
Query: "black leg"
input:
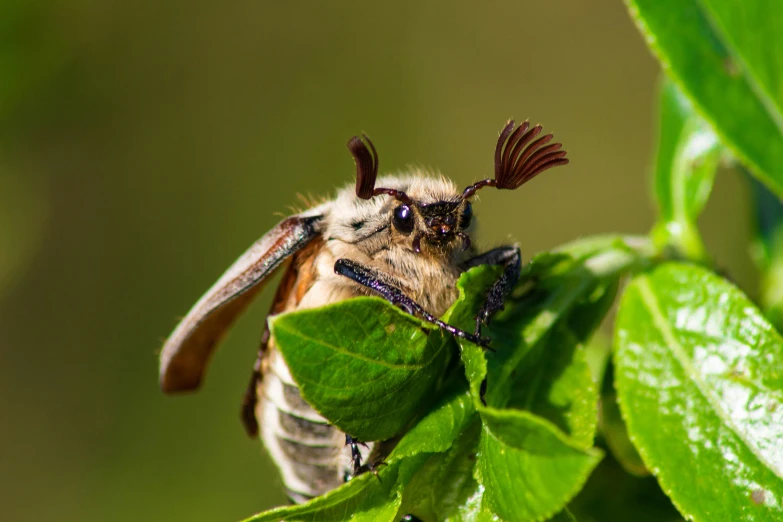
column 356, row 456
column 357, row 468
column 511, row 260
column 377, row 282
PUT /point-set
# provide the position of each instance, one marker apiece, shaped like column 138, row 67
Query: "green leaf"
column 561, row 283
column 529, row 469
column 700, row 385
column 457, row 495
column 727, row 56
column 538, row 363
column 554, row 380
column 418, row 471
column 688, row 155
column 445, row 488
column 362, row 363
column 366, row 498
column 597, row 354
column 472, row 287
column 438, row 430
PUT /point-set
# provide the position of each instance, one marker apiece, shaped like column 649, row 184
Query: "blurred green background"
column 144, row 145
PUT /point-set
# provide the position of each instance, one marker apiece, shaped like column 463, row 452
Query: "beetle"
column 406, row 238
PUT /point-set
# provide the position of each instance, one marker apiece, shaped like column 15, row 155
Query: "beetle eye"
column 467, row 215
column 403, row 219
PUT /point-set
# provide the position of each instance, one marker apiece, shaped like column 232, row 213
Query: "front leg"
column 380, row 284
column 511, row 259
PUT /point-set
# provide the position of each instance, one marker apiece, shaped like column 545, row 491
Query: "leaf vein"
column 650, row 300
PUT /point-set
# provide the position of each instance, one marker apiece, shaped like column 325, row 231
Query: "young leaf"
column 688, row 155
column 727, row 57
column 529, row 469
column 444, row 423
column 445, row 489
column 362, row 363
column 558, row 304
column 566, row 392
column 554, row 380
column 473, row 286
column 457, row 495
column 700, row 384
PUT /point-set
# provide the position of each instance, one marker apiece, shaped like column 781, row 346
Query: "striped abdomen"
column 310, row 453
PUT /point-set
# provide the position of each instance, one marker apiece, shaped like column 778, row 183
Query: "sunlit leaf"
column 700, row 384
column 445, row 488
column 529, row 469
column 538, row 362
column 727, row 56
column 367, row 498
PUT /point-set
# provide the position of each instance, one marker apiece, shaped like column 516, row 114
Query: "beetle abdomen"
column 310, row 453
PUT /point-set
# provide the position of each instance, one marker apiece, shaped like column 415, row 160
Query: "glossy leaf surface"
column 700, row 384
column 528, row 468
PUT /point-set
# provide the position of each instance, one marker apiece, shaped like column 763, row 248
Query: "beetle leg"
column 356, row 455
column 511, row 259
column 377, row 282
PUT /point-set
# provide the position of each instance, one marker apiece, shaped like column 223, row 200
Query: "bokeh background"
column 144, row 145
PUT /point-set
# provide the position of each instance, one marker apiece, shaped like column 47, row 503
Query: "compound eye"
column 467, row 215
column 403, row 219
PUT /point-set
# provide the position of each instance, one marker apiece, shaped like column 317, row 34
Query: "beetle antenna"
column 366, row 159
column 519, row 158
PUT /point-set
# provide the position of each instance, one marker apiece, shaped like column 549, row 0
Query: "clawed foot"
column 482, row 341
column 476, row 336
column 357, row 468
